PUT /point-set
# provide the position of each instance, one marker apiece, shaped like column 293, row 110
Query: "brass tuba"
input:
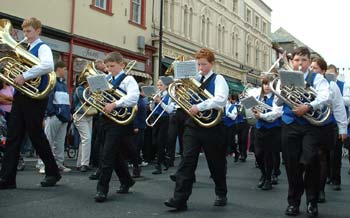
column 294, row 96
column 18, row 62
column 99, row 99
column 187, row 92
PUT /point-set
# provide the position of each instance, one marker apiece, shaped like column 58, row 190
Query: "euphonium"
column 99, row 99
column 187, row 92
column 294, row 96
column 18, row 62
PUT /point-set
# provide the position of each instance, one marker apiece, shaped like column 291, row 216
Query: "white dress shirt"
column 272, row 115
column 233, row 114
column 338, row 107
column 168, row 106
column 320, row 85
column 129, row 85
column 46, row 62
column 220, row 94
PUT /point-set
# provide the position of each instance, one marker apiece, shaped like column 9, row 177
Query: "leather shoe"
column 312, row 210
column 336, row 187
column 6, row 185
column 136, row 172
column 292, row 210
column 267, row 185
column 84, row 168
column 172, row 177
column 179, row 205
column 95, row 175
column 274, row 180
column 220, row 201
column 124, row 189
column 100, row 196
column 50, row 181
column 261, row 181
column 321, row 197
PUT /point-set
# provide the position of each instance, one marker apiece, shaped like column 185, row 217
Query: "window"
column 138, row 13
column 101, row 4
column 249, row 16
column 203, row 30
column 257, row 20
column 264, row 29
column 104, row 6
column 235, row 6
column 208, row 32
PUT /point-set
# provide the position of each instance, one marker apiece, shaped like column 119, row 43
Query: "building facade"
column 85, row 30
column 237, row 31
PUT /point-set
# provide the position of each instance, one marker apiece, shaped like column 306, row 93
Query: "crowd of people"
column 311, row 152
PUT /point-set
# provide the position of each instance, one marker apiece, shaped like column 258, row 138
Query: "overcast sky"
column 322, row 25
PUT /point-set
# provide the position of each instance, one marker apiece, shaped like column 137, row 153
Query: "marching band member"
column 336, row 153
column 300, row 140
column 27, row 114
column 160, row 129
column 210, row 139
column 337, row 123
column 267, row 134
column 229, row 120
column 113, row 132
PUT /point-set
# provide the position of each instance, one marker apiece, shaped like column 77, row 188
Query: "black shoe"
column 84, row 168
column 277, row 172
column 100, row 196
column 261, row 181
column 136, row 172
column 158, row 170
column 179, row 205
column 274, row 180
column 242, row 159
column 236, row 156
column 124, row 189
column 349, row 172
column 50, row 181
column 321, row 197
column 336, row 187
column 292, row 210
column 312, row 210
column 7, row 185
column 173, row 177
column 220, row 201
column 95, row 175
column 267, row 185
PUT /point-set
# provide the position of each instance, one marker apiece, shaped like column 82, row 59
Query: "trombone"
column 151, row 120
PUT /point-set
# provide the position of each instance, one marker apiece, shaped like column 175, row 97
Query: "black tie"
column 202, row 79
column 265, row 99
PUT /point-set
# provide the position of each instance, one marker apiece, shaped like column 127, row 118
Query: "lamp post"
column 160, row 39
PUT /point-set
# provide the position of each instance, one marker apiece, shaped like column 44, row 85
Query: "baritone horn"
column 99, row 99
column 19, row 61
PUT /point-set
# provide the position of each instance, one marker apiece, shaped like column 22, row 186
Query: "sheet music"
column 330, row 77
column 98, row 83
column 249, row 102
column 149, row 91
column 292, row 78
column 185, row 69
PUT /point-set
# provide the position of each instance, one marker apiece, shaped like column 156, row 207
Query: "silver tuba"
column 294, row 96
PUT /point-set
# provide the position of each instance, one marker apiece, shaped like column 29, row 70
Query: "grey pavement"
column 73, row 196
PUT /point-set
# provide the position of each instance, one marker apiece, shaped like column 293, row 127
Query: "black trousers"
column 267, row 143
column 27, row 115
column 335, row 162
column 112, row 155
column 242, row 133
column 97, row 140
column 300, row 145
column 230, row 142
column 176, row 129
column 160, row 134
column 328, row 140
column 212, row 142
